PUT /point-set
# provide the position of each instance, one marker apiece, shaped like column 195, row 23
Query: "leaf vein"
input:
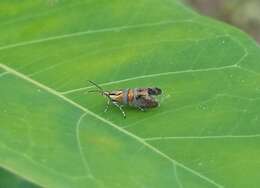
column 177, row 176
column 151, row 76
column 142, row 141
column 88, row 32
column 83, row 158
column 202, row 137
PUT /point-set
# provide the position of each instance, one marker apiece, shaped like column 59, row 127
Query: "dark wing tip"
column 154, row 91
column 159, row 91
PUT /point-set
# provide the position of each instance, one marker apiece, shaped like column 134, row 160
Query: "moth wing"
column 145, row 101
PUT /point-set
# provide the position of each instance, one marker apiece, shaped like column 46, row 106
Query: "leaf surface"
column 53, row 133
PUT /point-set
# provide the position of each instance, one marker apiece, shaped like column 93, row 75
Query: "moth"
column 141, row 98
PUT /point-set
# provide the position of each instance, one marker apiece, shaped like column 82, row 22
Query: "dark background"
column 244, row 14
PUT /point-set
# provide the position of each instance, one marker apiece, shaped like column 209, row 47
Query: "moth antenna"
column 100, row 88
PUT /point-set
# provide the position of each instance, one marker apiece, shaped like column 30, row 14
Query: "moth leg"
column 120, row 107
column 108, row 103
column 140, row 108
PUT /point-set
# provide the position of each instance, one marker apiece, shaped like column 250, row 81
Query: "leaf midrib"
column 154, row 149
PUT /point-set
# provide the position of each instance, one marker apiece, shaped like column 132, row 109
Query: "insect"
column 141, row 98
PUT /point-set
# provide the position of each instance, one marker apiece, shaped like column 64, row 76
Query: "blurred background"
column 244, row 14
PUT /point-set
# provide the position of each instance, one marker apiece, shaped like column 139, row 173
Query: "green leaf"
column 9, row 180
column 204, row 134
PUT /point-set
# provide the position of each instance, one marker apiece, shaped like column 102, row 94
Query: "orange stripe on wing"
column 130, row 96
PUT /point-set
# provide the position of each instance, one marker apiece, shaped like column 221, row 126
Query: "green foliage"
column 9, row 180
column 53, row 133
